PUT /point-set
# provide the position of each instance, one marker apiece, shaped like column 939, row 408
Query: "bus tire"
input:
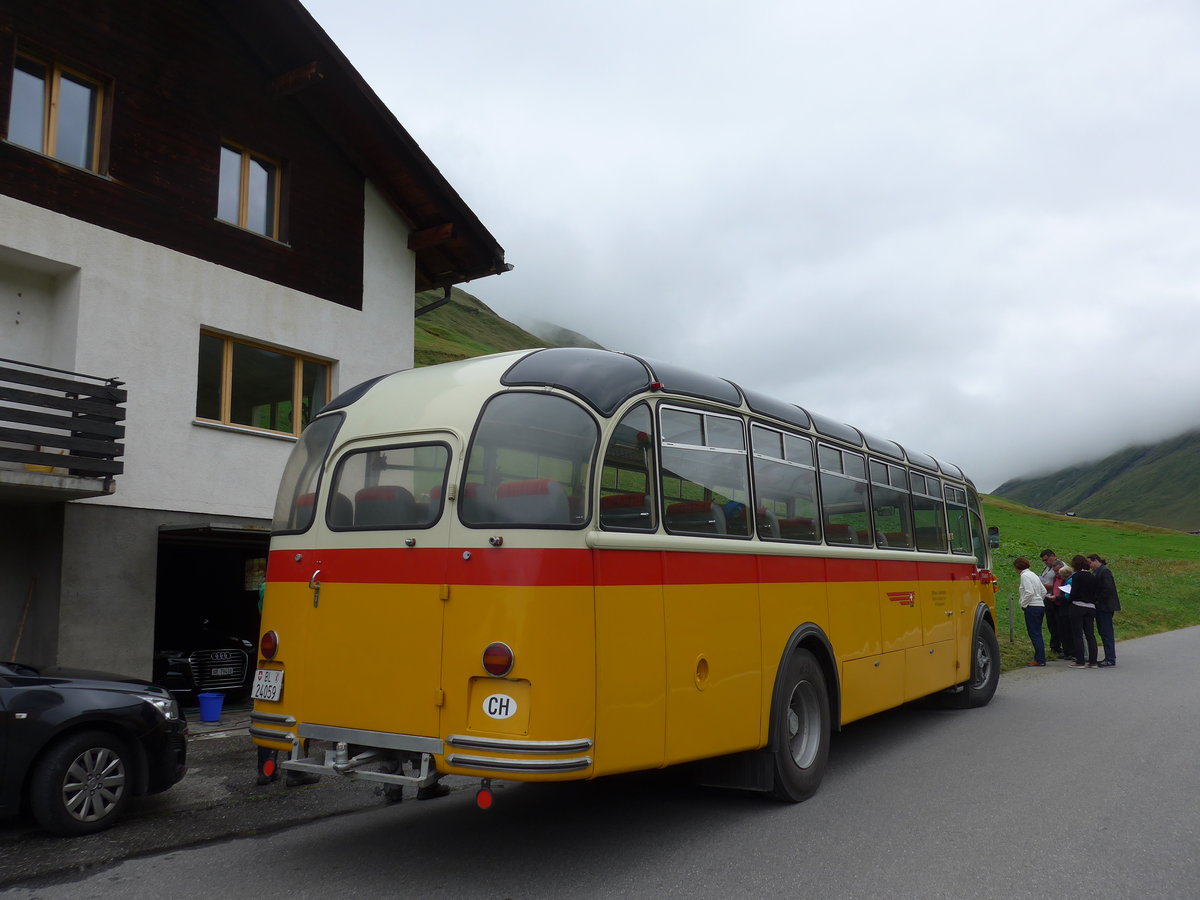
column 985, row 667
column 799, row 729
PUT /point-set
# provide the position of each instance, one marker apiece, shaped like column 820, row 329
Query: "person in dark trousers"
column 1107, row 603
column 1060, row 641
column 1082, row 589
column 1032, row 594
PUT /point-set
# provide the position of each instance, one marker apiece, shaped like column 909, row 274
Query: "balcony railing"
column 61, row 422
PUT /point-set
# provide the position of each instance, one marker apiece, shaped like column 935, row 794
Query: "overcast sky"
column 971, row 227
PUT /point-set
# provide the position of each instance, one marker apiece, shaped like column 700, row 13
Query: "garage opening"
column 206, row 608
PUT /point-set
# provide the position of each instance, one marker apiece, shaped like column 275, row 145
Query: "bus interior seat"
column 838, row 533
column 695, row 517
column 800, row 528
column 341, row 511
column 625, row 511
column 898, row 539
column 540, row 501
column 340, row 514
column 385, row 505
column 768, row 523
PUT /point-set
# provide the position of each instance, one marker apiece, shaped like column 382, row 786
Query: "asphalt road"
column 1072, row 783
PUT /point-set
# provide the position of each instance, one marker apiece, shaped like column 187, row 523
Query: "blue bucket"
column 210, row 707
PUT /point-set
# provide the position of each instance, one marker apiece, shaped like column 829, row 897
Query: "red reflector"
column 269, row 767
column 498, row 659
column 484, row 799
column 269, row 645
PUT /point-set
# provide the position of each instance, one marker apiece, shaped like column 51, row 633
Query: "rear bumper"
column 355, row 753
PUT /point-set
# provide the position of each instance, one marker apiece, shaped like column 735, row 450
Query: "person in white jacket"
column 1032, row 594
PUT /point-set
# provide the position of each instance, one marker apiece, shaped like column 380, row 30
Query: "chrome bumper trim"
column 272, row 719
column 283, row 737
column 574, row 764
column 503, row 745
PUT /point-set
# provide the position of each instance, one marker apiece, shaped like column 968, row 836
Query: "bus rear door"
column 375, row 621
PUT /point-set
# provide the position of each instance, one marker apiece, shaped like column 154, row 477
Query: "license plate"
column 268, row 684
column 223, row 670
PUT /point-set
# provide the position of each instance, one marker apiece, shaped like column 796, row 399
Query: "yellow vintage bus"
column 568, row 563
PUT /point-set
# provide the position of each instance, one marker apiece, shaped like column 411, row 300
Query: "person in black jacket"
column 1084, row 588
column 1107, row 603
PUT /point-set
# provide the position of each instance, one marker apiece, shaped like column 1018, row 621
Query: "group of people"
column 1075, row 601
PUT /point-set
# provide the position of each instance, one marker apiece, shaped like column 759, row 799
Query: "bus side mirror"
column 993, row 537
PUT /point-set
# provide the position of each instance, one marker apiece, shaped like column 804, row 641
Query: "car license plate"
column 223, row 670
column 268, row 684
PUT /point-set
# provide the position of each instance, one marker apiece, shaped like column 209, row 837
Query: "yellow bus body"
column 631, row 651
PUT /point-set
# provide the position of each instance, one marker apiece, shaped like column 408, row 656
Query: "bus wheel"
column 800, row 729
column 985, row 668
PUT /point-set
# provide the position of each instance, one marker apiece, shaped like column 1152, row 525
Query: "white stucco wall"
column 123, row 308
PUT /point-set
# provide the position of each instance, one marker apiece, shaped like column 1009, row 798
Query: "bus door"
column 377, row 586
column 518, row 652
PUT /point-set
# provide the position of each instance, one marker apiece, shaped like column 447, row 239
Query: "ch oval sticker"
column 499, row 706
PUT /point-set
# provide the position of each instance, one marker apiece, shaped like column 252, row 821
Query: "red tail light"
column 269, row 645
column 498, row 659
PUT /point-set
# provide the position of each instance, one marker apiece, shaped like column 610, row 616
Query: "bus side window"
column 956, row 515
column 844, row 497
column 890, row 505
column 625, row 485
column 785, row 486
column 929, row 513
column 705, row 478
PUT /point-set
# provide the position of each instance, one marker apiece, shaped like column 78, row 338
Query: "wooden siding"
column 179, row 82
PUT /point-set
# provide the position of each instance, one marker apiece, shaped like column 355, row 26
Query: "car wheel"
column 81, row 784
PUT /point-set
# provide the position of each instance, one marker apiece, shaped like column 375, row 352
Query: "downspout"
column 435, row 304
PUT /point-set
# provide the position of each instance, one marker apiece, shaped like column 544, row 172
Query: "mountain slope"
column 463, row 328
column 1156, row 485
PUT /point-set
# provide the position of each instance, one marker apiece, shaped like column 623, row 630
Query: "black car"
column 75, row 746
column 208, row 659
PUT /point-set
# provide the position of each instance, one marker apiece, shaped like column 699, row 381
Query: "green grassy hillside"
column 467, row 327
column 1158, row 484
column 1157, row 570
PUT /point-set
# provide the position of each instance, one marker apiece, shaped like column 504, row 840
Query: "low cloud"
column 971, row 228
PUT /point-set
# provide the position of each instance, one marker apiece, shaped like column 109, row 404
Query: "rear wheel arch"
column 811, row 637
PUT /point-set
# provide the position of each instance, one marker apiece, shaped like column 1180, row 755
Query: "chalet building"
column 209, row 226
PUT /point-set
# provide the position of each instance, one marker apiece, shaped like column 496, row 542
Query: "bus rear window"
column 530, row 463
column 296, row 503
column 389, row 487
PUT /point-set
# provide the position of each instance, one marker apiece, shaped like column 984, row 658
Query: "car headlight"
column 165, row 705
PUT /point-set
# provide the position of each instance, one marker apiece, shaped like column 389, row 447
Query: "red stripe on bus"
column 548, row 567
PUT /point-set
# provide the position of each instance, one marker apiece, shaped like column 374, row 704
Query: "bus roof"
column 604, row 380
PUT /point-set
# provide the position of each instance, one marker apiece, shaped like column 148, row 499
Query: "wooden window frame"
column 226, row 383
column 243, row 217
column 54, row 72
